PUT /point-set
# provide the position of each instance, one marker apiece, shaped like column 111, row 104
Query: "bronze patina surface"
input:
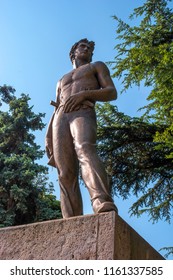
column 71, row 134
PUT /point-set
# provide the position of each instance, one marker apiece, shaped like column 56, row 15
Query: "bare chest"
column 83, row 74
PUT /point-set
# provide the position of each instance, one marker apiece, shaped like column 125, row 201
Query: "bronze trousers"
column 74, row 145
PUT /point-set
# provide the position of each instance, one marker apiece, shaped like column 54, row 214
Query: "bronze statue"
column 71, row 134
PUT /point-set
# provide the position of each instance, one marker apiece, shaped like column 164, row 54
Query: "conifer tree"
column 25, row 192
column 134, row 165
column 145, row 54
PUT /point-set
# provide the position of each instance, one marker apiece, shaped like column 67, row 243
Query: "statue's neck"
column 78, row 63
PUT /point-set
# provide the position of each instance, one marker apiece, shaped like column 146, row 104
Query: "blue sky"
column 36, row 36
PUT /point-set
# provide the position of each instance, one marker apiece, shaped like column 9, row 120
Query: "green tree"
column 24, row 189
column 145, row 54
column 134, row 165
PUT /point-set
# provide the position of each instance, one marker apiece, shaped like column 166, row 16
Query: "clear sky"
column 36, row 36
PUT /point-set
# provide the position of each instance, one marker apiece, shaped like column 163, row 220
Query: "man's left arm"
column 106, row 92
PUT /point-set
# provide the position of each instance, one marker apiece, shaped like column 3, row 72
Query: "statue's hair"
column 72, row 51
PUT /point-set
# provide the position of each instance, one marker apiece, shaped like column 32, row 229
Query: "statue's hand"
column 73, row 102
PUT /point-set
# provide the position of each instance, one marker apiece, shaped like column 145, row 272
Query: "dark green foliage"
column 145, row 54
column 133, row 163
column 23, row 181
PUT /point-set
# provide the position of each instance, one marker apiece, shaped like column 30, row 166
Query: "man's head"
column 91, row 45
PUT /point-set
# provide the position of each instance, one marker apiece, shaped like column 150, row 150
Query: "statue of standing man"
column 71, row 134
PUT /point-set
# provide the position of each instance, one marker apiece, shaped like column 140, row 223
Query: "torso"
column 79, row 79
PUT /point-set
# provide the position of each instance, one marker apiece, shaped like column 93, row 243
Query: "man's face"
column 83, row 52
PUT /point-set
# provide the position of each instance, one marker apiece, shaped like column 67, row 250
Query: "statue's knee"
column 85, row 149
column 67, row 175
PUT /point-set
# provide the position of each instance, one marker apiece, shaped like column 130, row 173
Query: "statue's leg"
column 67, row 166
column 83, row 129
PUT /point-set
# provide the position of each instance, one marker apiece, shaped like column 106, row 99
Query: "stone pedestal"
column 92, row 237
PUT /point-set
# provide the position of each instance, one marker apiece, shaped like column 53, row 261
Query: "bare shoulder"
column 67, row 75
column 100, row 66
